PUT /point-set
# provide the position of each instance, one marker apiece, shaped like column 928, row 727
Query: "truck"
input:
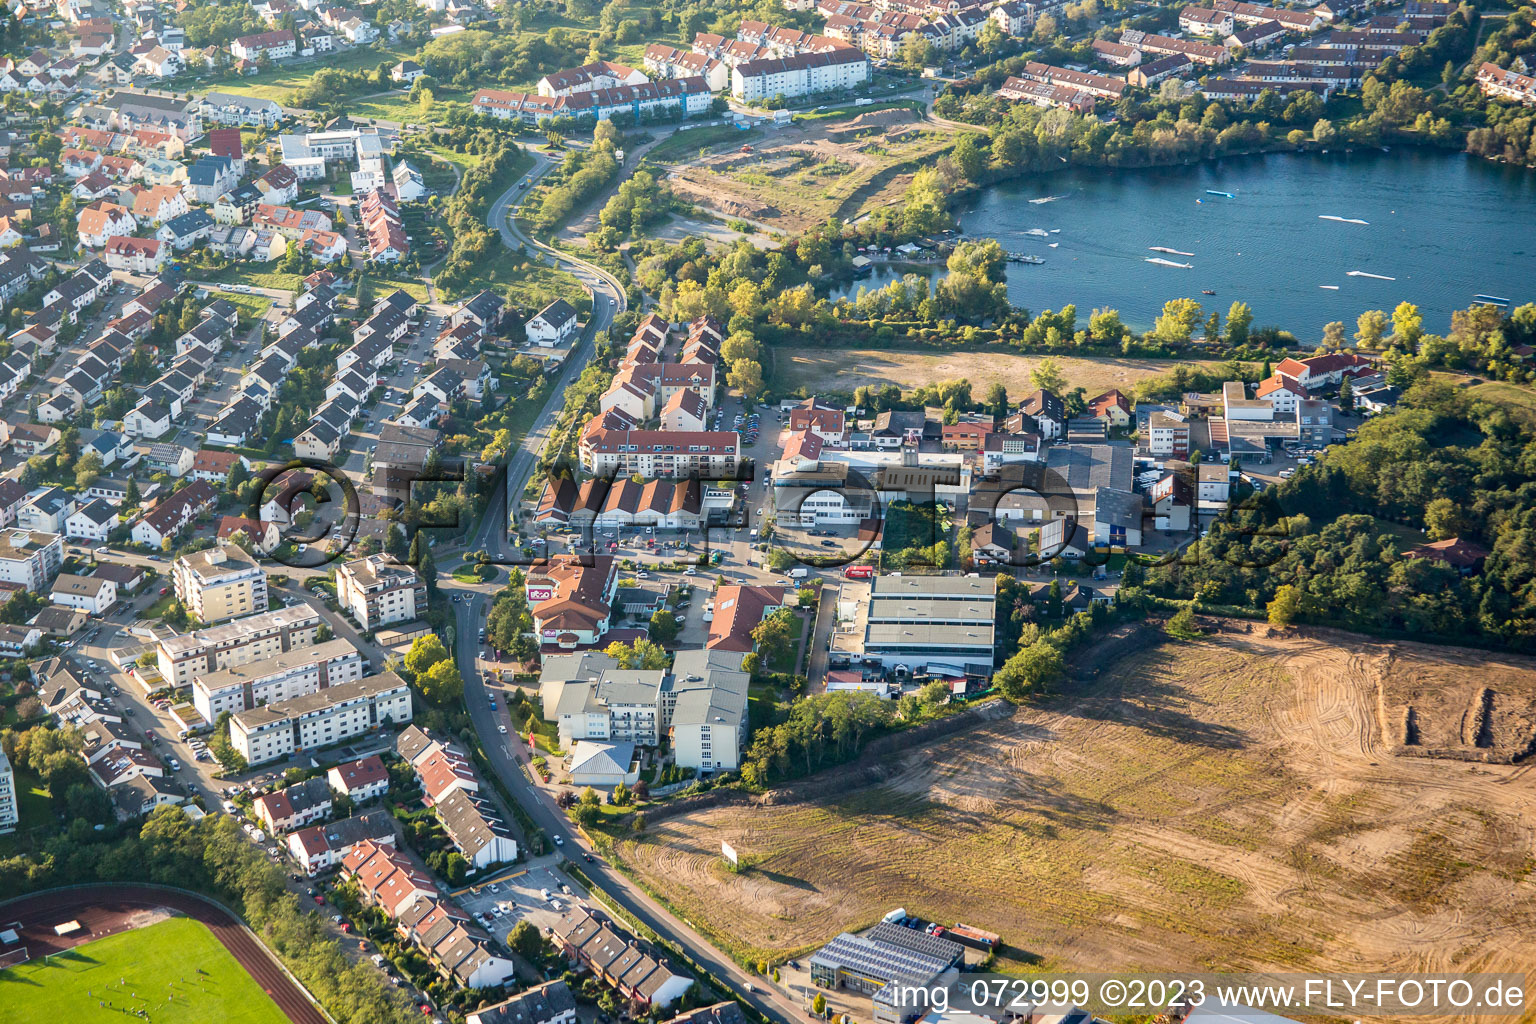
column 859, row 572
column 974, row 937
column 896, row 916
column 799, row 573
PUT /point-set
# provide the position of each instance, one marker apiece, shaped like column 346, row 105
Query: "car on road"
column 559, row 840
column 175, row 764
column 501, row 729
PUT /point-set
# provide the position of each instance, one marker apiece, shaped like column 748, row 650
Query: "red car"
column 319, row 899
column 164, row 591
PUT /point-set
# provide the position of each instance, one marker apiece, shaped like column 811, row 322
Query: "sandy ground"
column 846, row 369
column 1227, row 804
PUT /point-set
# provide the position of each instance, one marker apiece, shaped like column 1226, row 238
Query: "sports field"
column 175, row 971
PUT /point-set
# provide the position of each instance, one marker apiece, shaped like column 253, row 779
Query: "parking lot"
column 500, row 903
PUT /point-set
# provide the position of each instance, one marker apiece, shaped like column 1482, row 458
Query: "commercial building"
column 277, row 678
column 376, row 591
column 253, row 638
column 941, row 624
column 220, row 583
column 321, row 718
column 571, row 600
column 884, row 955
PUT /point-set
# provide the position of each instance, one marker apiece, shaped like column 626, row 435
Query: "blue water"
column 1446, row 226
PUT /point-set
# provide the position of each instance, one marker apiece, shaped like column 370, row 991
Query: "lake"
column 1444, row 225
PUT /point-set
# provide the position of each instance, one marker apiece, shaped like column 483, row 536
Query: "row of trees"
column 581, row 176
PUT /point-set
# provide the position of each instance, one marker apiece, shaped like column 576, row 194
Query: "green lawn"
column 279, row 82
column 252, row 307
column 1520, row 401
column 176, row 971
column 35, row 808
column 382, row 286
column 247, row 274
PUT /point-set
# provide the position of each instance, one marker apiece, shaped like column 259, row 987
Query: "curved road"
column 507, row 754
column 106, row 909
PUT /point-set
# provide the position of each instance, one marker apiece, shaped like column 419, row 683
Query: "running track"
column 105, row 910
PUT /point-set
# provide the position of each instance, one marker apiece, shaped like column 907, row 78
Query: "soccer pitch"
column 175, row 971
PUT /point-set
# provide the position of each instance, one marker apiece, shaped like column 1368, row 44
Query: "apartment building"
column 376, row 591
column 1167, row 436
column 281, row 677
column 320, row 718
column 9, row 816
column 801, row 74
column 1502, row 84
column 660, row 453
column 220, row 583
column 700, row 705
column 253, row 638
column 30, row 558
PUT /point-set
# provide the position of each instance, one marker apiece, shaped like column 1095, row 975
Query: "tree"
column 1346, row 395
column 426, row 651
column 1333, row 335
column 997, row 398
column 1407, row 326
column 455, row 867
column 1443, row 519
column 526, row 941
column 1047, row 376
column 131, row 495
column 87, row 470
column 395, row 544
column 1177, row 321
column 1030, row 670
column 622, row 797
column 643, row 654
column 819, row 1004
column 1287, row 604
column 1370, row 328
column 747, row 377
column 776, row 635
column 664, row 627
column 442, row 684
column 968, row 157
column 1239, row 319
column 1182, row 625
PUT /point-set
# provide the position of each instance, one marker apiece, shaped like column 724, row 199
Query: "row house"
column 1501, row 84
column 1294, row 20
column 171, row 515
column 660, row 453
column 1082, row 81
column 675, row 97
column 1206, row 21
column 276, row 45
column 670, row 62
column 379, row 217
column 1041, row 94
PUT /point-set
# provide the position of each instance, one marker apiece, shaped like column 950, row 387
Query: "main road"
column 505, row 751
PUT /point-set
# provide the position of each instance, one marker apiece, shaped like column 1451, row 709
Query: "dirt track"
column 107, row 910
column 1229, row 804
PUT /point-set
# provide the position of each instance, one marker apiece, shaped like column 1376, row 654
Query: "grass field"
column 277, row 83
column 155, row 969
column 1218, row 805
column 1520, row 401
column 252, row 307
column 250, row 275
column 845, row 369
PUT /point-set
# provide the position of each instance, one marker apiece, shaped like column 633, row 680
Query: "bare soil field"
column 1482, row 708
column 1232, row 803
column 800, row 175
column 846, row 369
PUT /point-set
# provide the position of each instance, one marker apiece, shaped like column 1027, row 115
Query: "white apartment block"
column 220, row 583
column 278, row 678
column 804, row 74
column 376, row 591
column 30, row 558
column 8, row 813
column 321, row 718
column 253, row 638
